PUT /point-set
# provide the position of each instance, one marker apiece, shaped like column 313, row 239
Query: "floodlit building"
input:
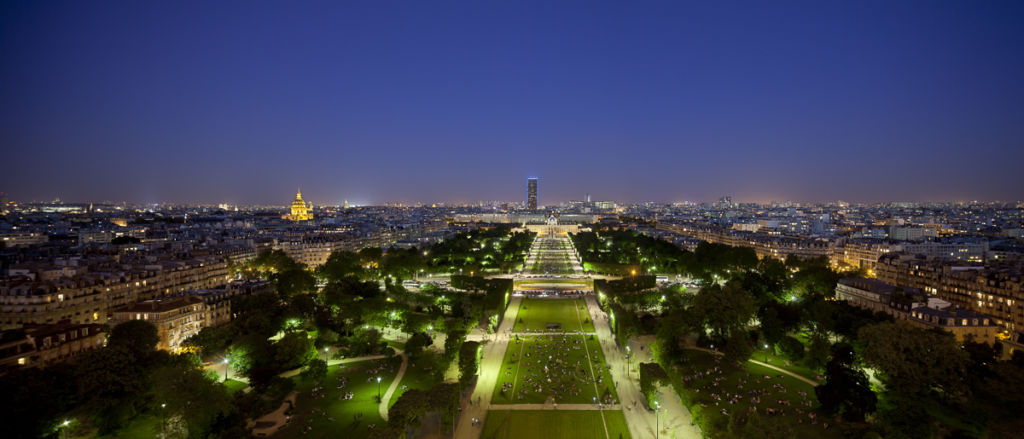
column 301, row 210
column 176, row 318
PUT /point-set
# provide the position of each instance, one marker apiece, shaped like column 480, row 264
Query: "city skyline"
column 406, row 103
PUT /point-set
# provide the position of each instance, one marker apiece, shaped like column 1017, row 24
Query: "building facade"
column 175, row 318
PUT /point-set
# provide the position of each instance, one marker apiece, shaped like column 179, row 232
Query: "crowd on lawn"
column 317, row 392
column 546, row 369
column 750, row 389
column 549, row 293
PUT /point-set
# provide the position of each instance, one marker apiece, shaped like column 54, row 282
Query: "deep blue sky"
column 376, row 101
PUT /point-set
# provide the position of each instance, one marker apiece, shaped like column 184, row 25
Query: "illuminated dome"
column 300, row 210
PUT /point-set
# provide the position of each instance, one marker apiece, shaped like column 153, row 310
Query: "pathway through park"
column 383, row 408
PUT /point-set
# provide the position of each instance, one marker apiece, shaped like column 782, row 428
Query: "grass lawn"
column 234, row 385
column 143, row 426
column 361, row 382
column 570, row 371
column 707, row 395
column 417, row 376
column 554, row 424
column 535, row 314
column 782, row 362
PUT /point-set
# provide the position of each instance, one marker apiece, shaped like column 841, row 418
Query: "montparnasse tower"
column 301, row 211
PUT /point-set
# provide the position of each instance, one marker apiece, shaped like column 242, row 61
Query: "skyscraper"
column 531, row 193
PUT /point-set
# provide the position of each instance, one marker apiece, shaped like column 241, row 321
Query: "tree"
column 915, row 361
column 339, row 265
column 111, row 383
column 651, row 376
column 33, row 398
column 846, row 389
column 138, row 336
column 771, row 325
column 193, row 396
column 738, row 348
column 212, row 339
column 316, row 370
column 724, row 310
column 817, row 352
column 417, row 343
column 468, row 361
column 294, row 280
column 294, row 350
column 302, row 306
column 791, row 348
column 452, row 342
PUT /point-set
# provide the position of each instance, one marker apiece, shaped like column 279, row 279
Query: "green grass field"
column 417, row 376
column 143, row 426
column 364, row 387
column 554, row 424
column 535, row 314
column 235, row 385
column 570, row 371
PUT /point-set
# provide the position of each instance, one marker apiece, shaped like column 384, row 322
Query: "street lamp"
column 163, row 420
column 227, row 367
column 378, row 388
column 64, row 429
column 325, row 354
column 657, row 419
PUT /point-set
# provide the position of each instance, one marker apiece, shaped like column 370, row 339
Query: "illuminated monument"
column 301, row 211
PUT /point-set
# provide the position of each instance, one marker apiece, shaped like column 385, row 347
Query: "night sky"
column 377, row 101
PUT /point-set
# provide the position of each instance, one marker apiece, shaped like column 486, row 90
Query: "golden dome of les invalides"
column 301, row 211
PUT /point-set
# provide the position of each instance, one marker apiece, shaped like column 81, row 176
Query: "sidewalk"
column 493, row 354
column 641, row 422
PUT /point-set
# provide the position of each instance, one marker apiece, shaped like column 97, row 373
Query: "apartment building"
column 175, row 318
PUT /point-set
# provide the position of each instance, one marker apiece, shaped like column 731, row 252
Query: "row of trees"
column 102, row 389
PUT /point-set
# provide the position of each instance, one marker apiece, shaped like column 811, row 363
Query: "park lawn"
column 421, row 374
column 512, row 372
column 535, row 314
column 142, row 426
column 233, row 386
column 342, row 411
column 781, row 362
column 697, row 395
column 554, row 424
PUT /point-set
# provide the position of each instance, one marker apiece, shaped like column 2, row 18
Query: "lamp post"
column 227, row 367
column 657, row 419
column 163, row 420
column 378, row 388
column 64, row 429
column 325, row 355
